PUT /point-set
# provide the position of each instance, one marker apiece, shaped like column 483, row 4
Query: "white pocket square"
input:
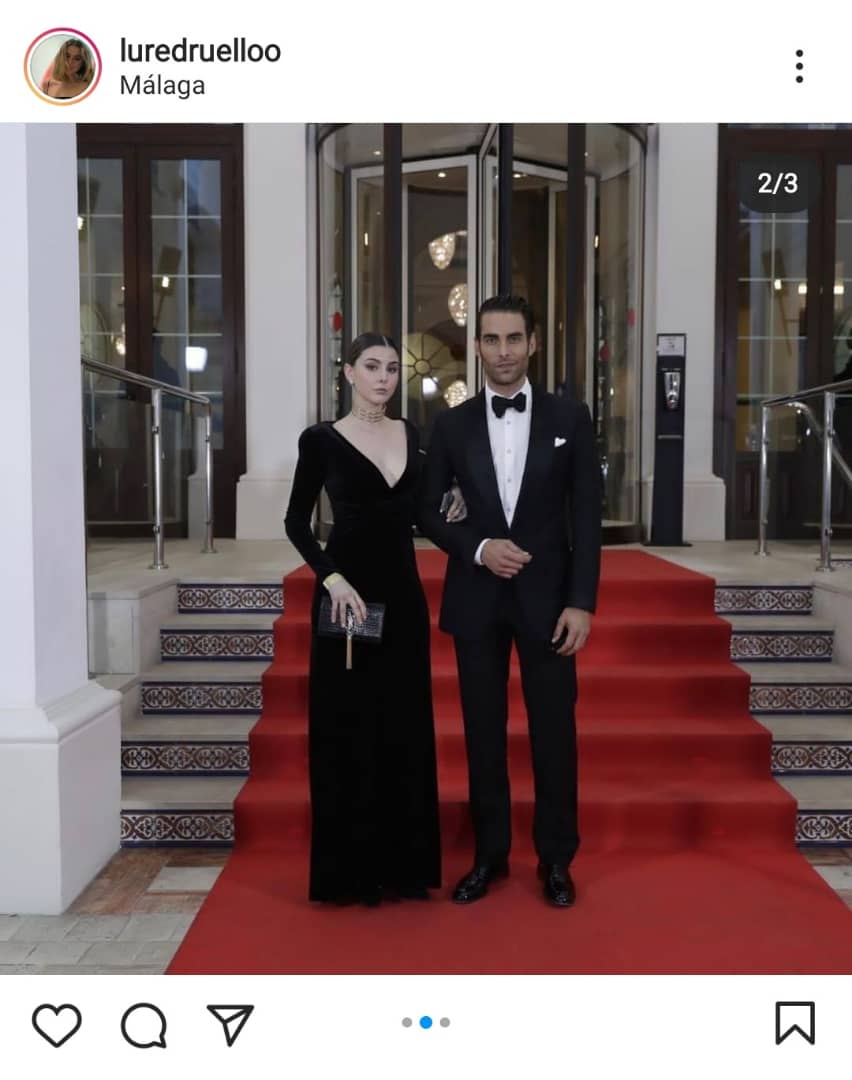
column 558, row 442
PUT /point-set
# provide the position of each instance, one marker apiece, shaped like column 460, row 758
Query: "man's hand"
column 578, row 623
column 504, row 558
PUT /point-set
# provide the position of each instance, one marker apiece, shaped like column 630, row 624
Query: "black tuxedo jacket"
column 557, row 516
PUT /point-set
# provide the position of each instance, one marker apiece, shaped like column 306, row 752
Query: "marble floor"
column 122, row 563
column 132, row 918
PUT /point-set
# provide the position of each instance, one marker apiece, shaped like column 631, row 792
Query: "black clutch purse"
column 369, row 631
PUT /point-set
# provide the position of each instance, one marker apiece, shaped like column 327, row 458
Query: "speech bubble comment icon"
column 57, row 1023
column 144, row 1026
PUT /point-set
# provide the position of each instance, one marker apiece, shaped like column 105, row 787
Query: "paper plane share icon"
column 232, row 1018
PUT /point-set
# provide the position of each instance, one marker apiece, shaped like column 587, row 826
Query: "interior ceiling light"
column 457, row 303
column 456, row 393
column 442, row 249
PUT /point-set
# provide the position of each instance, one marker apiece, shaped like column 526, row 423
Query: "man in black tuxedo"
column 524, row 567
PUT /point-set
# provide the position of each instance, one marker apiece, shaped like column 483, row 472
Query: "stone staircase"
column 185, row 750
column 802, row 695
column 185, row 756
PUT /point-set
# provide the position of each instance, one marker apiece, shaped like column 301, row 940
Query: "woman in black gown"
column 373, row 779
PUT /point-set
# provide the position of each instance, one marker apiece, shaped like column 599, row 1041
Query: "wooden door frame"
column 133, row 143
column 829, row 145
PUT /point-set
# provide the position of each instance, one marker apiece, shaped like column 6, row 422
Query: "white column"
column 60, row 785
column 277, row 335
column 681, row 230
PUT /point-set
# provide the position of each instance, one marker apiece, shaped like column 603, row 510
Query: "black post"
column 505, row 170
column 575, row 270
column 392, row 213
column 344, row 392
column 667, row 507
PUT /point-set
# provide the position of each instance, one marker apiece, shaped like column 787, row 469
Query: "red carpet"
column 687, row 862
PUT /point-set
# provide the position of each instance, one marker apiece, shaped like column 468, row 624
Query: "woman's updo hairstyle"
column 369, row 341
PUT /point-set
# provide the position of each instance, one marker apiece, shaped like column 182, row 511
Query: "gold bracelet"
column 331, row 579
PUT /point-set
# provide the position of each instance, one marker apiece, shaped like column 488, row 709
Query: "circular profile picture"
column 62, row 66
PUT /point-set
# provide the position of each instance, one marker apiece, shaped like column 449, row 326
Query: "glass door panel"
column 115, row 424
column 187, row 310
column 773, row 329
column 438, row 284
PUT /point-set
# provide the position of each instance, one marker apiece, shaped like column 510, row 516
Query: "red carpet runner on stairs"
column 687, row 862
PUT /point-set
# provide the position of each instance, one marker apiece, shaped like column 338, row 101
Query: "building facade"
column 238, row 261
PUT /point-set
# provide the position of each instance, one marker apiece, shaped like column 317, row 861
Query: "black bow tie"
column 501, row 404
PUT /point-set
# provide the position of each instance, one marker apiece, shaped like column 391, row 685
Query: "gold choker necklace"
column 371, row 416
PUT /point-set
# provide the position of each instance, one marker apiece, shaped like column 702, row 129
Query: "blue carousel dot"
column 425, row 1021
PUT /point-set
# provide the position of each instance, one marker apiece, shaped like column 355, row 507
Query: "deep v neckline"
column 369, row 460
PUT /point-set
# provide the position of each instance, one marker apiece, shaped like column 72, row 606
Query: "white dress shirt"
column 509, row 436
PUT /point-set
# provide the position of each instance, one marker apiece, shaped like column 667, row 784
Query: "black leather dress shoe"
column 474, row 885
column 558, row 886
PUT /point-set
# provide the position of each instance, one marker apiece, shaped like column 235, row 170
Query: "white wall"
column 277, row 292
column 680, row 298
column 59, row 732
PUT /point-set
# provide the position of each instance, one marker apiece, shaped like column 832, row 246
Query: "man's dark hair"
column 506, row 302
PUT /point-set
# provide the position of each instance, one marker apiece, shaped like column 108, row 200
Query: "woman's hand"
column 343, row 596
column 457, row 510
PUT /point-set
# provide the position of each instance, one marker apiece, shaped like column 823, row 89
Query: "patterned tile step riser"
column 220, row 698
column 809, row 698
column 764, row 599
column 233, row 599
column 268, row 598
column 824, row 828
column 209, row 698
column 812, row 759
column 782, row 645
column 747, row 645
column 216, row 645
column 232, row 759
column 157, row 828
column 185, row 759
column 176, row 828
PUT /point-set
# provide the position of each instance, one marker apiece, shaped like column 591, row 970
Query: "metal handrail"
column 830, row 454
column 157, row 389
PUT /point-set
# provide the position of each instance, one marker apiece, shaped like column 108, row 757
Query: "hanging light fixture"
column 457, row 303
column 442, row 249
column 456, row 393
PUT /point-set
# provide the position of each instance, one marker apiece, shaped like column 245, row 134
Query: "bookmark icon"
column 795, row 1017
column 232, row 1018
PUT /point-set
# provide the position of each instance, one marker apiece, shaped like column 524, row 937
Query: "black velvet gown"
column 373, row 776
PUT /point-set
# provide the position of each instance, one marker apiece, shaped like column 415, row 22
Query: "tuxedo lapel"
column 539, row 450
column 481, row 460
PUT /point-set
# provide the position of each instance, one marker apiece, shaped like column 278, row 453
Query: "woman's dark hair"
column 506, row 302
column 368, row 341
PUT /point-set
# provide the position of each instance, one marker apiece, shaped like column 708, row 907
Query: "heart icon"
column 57, row 1025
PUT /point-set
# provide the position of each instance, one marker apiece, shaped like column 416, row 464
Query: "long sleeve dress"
column 373, row 775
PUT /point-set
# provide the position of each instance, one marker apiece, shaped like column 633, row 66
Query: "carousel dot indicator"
column 407, row 1021
column 425, row 1022
column 445, row 1022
